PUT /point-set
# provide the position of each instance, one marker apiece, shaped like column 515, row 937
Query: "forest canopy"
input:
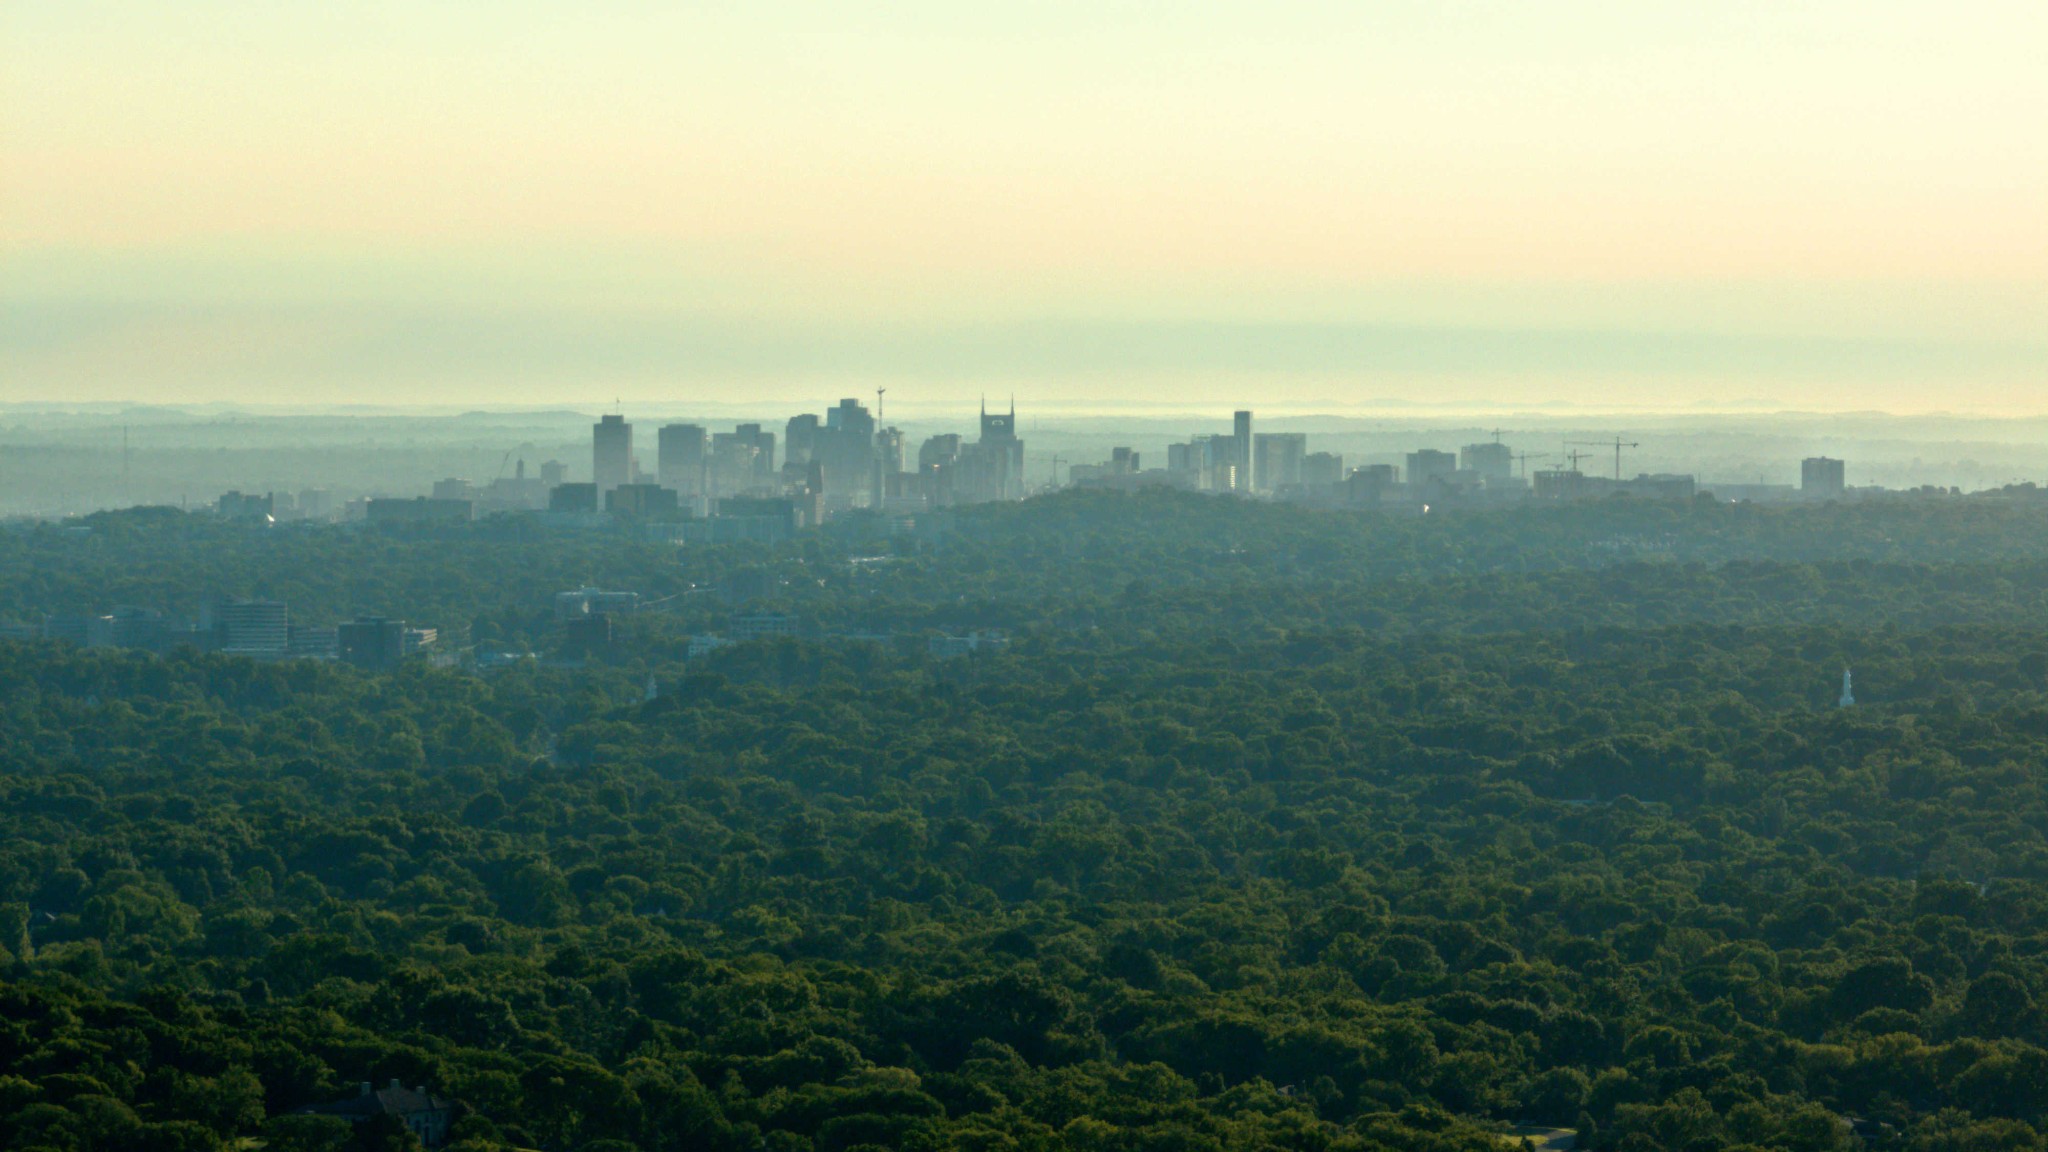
column 1268, row 828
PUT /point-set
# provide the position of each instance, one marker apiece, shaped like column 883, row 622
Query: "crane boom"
column 1617, row 444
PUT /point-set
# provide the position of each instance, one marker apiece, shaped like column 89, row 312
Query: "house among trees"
column 427, row 1116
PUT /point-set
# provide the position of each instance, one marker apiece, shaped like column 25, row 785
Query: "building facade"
column 1821, row 477
column 611, row 453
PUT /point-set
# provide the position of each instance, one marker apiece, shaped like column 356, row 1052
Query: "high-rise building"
column 1210, row 462
column 851, row 416
column 1429, row 464
column 1276, row 461
column 938, row 452
column 611, row 456
column 800, row 438
column 764, row 450
column 1495, row 461
column 742, row 461
column 553, row 474
column 888, row 462
column 996, row 464
column 844, row 450
column 1320, row 469
column 1821, row 477
column 679, row 458
column 1241, row 432
column 251, row 507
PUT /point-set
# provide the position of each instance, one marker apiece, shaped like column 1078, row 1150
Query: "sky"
column 1108, row 205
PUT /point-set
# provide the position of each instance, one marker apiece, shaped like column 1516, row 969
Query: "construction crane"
column 1522, row 459
column 1574, row 457
column 1056, row 462
column 1617, row 444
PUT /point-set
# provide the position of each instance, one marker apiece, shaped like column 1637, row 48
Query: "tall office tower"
column 1002, row 455
column 800, row 438
column 938, row 463
column 851, row 416
column 1211, row 460
column 1821, row 477
column 611, row 454
column 553, row 474
column 1241, row 426
column 732, row 464
column 938, row 452
column 679, row 458
column 1429, row 464
column 888, row 462
column 1278, row 460
column 1495, row 461
column 845, row 448
column 764, row 450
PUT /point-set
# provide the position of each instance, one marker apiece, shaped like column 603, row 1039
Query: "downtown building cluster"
column 1279, row 466
column 755, row 483
column 749, row 482
column 837, row 462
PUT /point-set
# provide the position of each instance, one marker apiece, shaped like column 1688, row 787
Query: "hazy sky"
column 1824, row 204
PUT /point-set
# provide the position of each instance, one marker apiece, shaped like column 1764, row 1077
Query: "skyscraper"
column 888, row 462
column 764, row 450
column 800, row 438
column 1279, row 459
column 679, row 458
column 611, row 456
column 1241, row 426
column 845, row 450
column 1002, row 455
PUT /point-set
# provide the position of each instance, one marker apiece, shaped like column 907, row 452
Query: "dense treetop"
column 1271, row 828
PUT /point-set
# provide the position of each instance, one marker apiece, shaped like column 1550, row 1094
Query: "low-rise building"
column 589, row 601
column 755, row 625
column 425, row 1115
column 946, row 647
